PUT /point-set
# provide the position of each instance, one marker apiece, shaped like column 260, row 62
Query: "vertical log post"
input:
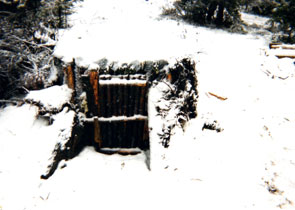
column 70, row 78
column 97, row 134
column 93, row 77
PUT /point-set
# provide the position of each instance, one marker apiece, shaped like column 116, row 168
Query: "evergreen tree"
column 284, row 15
column 222, row 13
column 26, row 58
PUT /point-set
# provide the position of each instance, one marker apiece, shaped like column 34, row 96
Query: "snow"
column 202, row 169
column 120, row 118
column 122, row 81
column 26, row 143
column 139, row 30
column 52, row 97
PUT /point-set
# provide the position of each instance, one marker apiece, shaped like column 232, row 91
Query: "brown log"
column 145, row 142
column 120, row 99
column 131, row 101
column 286, row 56
column 103, row 101
column 109, row 151
column 93, row 77
column 142, row 103
column 115, row 96
column 126, row 100
column 97, row 133
column 70, row 79
column 274, row 45
column 137, row 97
column 282, row 46
column 109, row 101
column 140, row 133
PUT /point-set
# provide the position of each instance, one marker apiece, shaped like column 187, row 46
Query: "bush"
column 27, row 39
column 284, row 16
column 205, row 12
column 259, row 7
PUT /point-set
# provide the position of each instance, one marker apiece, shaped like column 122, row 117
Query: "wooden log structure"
column 117, row 110
column 280, row 56
column 281, row 46
column 70, row 78
column 284, row 50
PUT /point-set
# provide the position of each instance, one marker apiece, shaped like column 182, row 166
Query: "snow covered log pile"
column 112, row 105
column 282, row 50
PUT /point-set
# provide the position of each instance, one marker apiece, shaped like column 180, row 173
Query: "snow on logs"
column 110, row 106
column 282, row 50
column 114, row 100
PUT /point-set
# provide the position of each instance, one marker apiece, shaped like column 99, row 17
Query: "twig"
column 169, row 87
column 14, row 102
column 32, row 43
column 25, row 89
column 219, row 97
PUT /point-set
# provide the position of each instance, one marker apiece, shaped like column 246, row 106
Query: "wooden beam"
column 70, row 79
column 286, row 56
column 281, row 46
column 97, row 134
column 117, row 118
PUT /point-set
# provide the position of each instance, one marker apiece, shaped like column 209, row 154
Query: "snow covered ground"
column 249, row 165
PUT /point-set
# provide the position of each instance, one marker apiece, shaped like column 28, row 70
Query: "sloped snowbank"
column 52, row 97
column 26, row 143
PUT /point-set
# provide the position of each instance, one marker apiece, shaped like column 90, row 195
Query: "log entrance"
column 117, row 115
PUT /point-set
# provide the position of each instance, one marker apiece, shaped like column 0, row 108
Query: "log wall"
column 117, row 110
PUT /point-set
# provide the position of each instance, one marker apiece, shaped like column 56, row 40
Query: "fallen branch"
column 219, row 97
column 42, row 108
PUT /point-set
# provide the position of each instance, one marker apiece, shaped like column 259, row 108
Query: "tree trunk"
column 220, row 14
column 211, row 11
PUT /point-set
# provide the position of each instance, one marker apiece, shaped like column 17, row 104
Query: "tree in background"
column 260, row 7
column 222, row 13
column 27, row 39
column 284, row 16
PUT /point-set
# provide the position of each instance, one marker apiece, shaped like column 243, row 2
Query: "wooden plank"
column 131, row 102
column 109, row 101
column 142, row 101
column 126, row 100
column 93, row 79
column 109, row 133
column 285, row 56
column 110, row 151
column 120, row 120
column 120, row 99
column 274, row 45
column 281, row 46
column 115, row 99
column 97, row 134
column 137, row 97
column 123, row 81
column 145, row 141
column 70, row 78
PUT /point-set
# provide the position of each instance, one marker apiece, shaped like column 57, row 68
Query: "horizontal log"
column 117, row 81
column 286, row 56
column 117, row 118
column 120, row 151
column 281, row 46
column 128, row 77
